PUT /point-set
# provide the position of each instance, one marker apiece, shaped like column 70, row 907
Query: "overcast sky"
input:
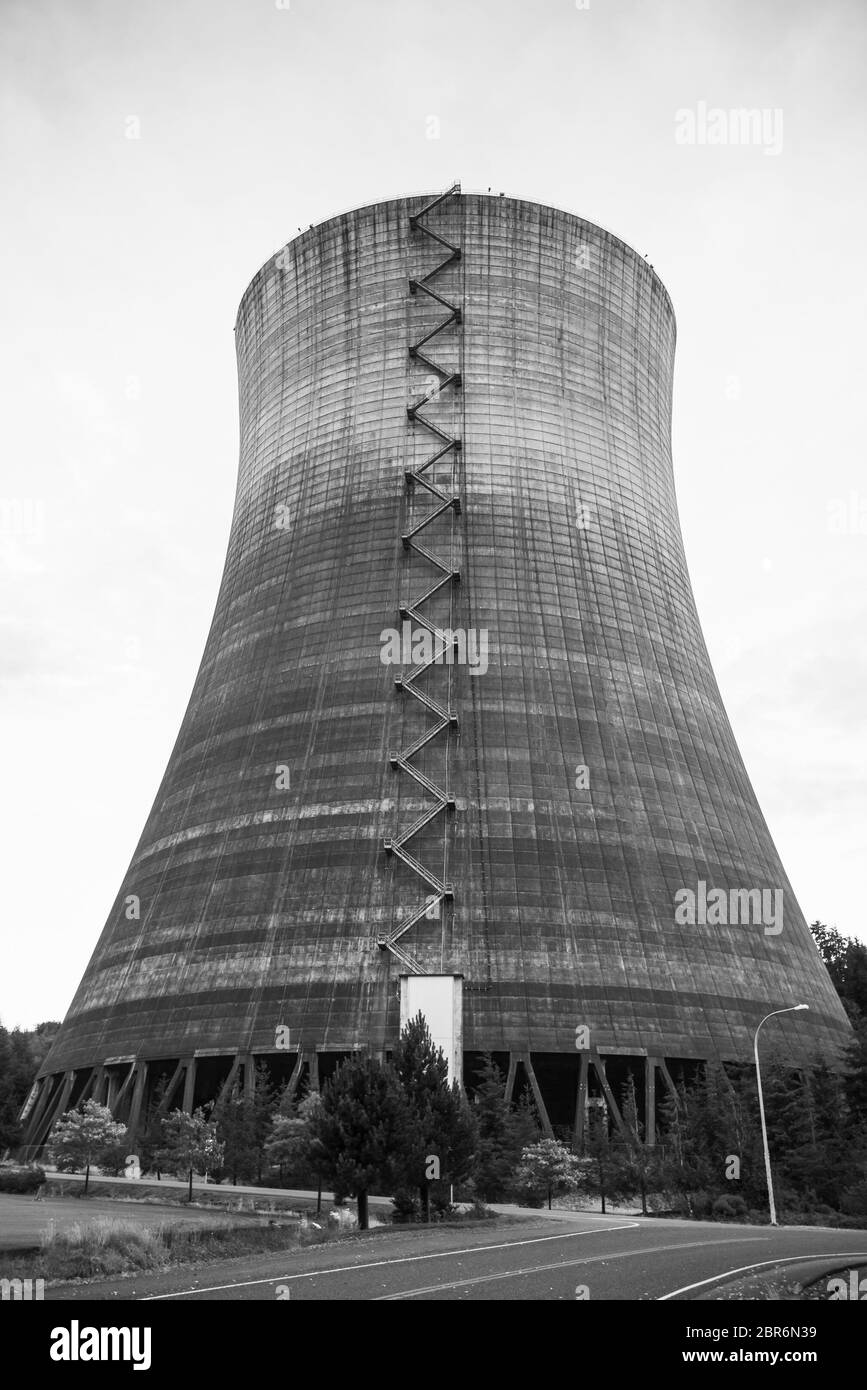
column 156, row 152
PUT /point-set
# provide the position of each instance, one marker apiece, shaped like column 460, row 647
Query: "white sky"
column 124, row 263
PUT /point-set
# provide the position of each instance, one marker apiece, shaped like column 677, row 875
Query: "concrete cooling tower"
column 455, row 742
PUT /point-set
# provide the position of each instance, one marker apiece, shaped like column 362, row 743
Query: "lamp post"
column 793, row 1008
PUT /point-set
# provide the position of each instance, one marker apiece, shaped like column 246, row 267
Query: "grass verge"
column 107, row 1248
column 102, row 1248
column 149, row 1192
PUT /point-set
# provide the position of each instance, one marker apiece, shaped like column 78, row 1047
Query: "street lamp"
column 793, row 1008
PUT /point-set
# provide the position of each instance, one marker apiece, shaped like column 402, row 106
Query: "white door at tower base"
column 440, row 999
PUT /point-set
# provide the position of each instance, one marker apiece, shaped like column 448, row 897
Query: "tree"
column 790, row 1121
column 548, row 1166
column 846, row 960
column 832, row 948
column 714, row 1122
column 244, row 1124
column 190, row 1144
column 690, row 1168
column 526, row 1126
column 42, row 1040
column 445, row 1124
column 264, row 1102
column 291, row 1141
column 639, row 1165
column 855, row 1079
column 816, row 1144
column 824, row 1160
column 366, row 1132
column 235, row 1121
column 285, row 1143
column 21, row 1054
column 603, row 1167
column 312, row 1151
column 149, row 1140
column 503, row 1133
column 10, row 1104
column 83, row 1136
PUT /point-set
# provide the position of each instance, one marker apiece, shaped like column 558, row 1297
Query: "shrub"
column 100, row 1248
column 729, row 1207
column 699, row 1204
column 854, row 1200
column 26, row 1179
column 407, row 1205
column 480, row 1212
column 67, row 1163
column 441, row 1207
column 663, row 1204
column 526, row 1195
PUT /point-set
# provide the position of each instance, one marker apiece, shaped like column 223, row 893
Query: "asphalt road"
column 533, row 1258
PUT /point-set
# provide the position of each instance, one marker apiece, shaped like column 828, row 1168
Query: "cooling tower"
column 455, row 716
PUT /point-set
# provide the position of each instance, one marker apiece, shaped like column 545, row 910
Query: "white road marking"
column 744, row 1269
column 560, row 1264
column 399, row 1260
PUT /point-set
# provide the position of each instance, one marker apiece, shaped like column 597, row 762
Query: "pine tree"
column 790, row 1128
column 446, row 1130
column 365, row 1131
column 829, row 1162
column 285, row 1140
column 855, row 1079
column 290, row 1142
column 234, row 1118
column 526, row 1125
column 605, row 1159
column 687, row 1168
column 264, row 1103
column 502, row 1134
column 639, row 1166
column 149, row 1142
column 845, row 958
column 21, row 1054
column 10, row 1130
column 747, row 1142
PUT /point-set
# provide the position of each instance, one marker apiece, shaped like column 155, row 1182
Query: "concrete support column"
column 120, row 1098
column 292, row 1086
column 92, row 1085
column 46, row 1087
column 581, row 1101
column 613, row 1107
column 189, row 1085
column 510, row 1076
column 137, row 1099
column 55, row 1109
column 230, row 1081
column 313, row 1059
column 111, row 1097
column 547, row 1128
column 165, row 1104
column 249, row 1075
column 650, row 1102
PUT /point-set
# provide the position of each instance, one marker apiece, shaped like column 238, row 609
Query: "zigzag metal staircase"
column 446, row 452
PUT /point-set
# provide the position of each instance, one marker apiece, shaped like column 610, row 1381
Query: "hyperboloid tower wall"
column 455, row 450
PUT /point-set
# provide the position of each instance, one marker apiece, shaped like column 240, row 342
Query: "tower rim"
column 426, row 193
